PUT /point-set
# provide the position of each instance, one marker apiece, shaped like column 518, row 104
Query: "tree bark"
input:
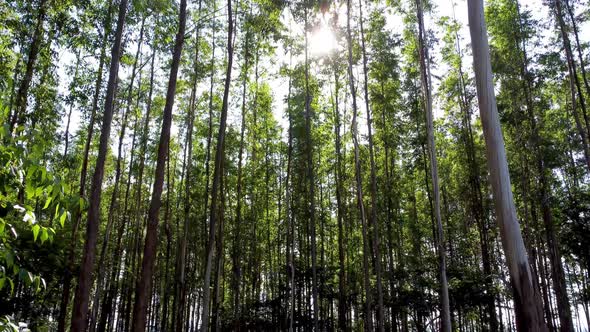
column 373, row 218
column 427, row 97
column 358, row 176
column 144, row 285
column 311, row 183
column 342, row 305
column 584, row 130
column 528, row 309
column 85, row 278
column 181, row 268
column 236, row 256
column 557, row 273
column 217, row 173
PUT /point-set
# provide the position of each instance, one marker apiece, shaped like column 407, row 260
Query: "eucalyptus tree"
column 144, row 284
column 425, row 79
column 85, row 278
column 217, row 173
column 528, row 309
column 358, row 176
column 457, row 92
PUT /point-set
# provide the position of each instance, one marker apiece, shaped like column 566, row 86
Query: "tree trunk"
column 311, row 183
column 342, row 305
column 219, row 157
column 144, row 285
column 181, row 268
column 113, row 206
column 570, row 10
column 373, row 219
column 71, row 102
column 290, row 245
column 358, row 176
column 584, row 130
column 236, row 256
column 19, row 116
column 528, row 310
column 557, row 273
column 426, row 86
column 83, row 173
column 85, row 278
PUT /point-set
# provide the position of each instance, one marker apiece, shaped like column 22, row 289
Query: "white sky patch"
column 322, row 40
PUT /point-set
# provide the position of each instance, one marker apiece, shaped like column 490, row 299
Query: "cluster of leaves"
column 34, row 203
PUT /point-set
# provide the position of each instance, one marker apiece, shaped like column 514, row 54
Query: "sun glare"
column 322, row 41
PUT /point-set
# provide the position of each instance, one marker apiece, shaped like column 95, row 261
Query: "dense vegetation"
column 294, row 165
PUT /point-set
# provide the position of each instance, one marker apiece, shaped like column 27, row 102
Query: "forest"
column 294, row 165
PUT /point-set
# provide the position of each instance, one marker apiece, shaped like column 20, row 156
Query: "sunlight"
column 322, row 41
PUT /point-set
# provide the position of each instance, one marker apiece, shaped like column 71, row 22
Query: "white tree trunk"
column 527, row 305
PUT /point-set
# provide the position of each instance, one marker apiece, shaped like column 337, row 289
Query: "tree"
column 144, row 285
column 219, row 157
column 87, row 265
column 529, row 314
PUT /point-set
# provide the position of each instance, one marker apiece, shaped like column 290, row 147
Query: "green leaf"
column 44, row 235
column 29, row 190
column 47, row 202
column 62, row 218
column 11, row 286
column 35, row 230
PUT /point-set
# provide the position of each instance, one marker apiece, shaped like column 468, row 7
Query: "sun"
column 322, row 41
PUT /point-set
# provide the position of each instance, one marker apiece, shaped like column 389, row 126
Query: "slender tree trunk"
column 144, row 285
column 168, row 232
column 19, row 116
column 85, row 278
column 113, row 206
column 571, row 14
column 83, row 173
column 236, row 255
column 477, row 196
column 373, row 219
column 219, row 250
column 181, row 268
column 358, row 176
column 528, row 309
column 209, row 130
column 583, row 129
column 311, row 183
column 71, row 102
column 219, row 156
column 342, row 305
column 106, row 309
column 425, row 78
column 288, row 211
column 557, row 273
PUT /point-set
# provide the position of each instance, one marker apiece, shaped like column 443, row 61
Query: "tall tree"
column 144, row 284
column 427, row 99
column 358, row 176
column 217, row 174
column 527, row 304
column 89, row 253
